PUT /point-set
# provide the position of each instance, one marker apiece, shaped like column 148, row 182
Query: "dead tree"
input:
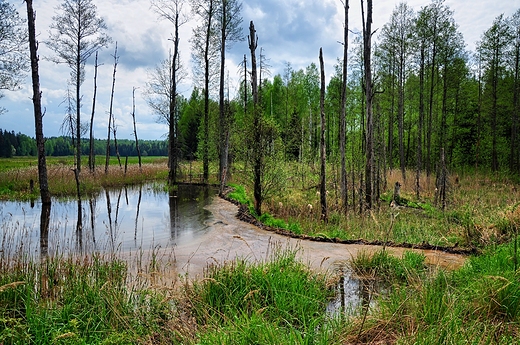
column 135, row 128
column 91, row 157
column 323, row 180
column 367, row 51
column 37, row 97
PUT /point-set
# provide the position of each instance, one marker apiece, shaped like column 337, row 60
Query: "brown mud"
column 229, row 238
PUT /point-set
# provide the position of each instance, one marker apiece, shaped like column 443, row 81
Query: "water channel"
column 189, row 229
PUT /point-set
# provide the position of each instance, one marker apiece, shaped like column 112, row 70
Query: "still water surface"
column 127, row 219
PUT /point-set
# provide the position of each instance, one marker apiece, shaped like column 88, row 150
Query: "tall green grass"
column 477, row 304
column 276, row 302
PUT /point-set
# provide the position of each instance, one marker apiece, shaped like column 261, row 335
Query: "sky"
column 289, row 31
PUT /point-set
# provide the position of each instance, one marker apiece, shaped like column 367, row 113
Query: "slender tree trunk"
column 420, row 126
column 223, row 171
column 494, row 82
column 205, row 148
column 257, row 149
column 370, row 163
column 430, row 110
column 514, row 165
column 38, row 116
column 78, row 105
column 135, row 128
column 173, row 122
column 91, row 157
column 343, row 122
column 110, row 114
column 400, row 114
column 323, row 149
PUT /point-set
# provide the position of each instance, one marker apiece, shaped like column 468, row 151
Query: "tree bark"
column 38, row 116
column 135, row 128
column 323, row 150
column 257, row 149
column 91, row 157
column 343, row 123
column 369, row 166
column 224, row 142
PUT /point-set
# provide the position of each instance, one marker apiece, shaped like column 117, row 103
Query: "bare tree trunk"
column 114, row 128
column 323, row 149
column 370, row 163
column 111, row 122
column 37, row 96
column 343, row 123
column 223, row 123
column 514, row 165
column 135, row 128
column 205, row 148
column 172, row 174
column 91, row 157
column 257, row 150
column 420, row 126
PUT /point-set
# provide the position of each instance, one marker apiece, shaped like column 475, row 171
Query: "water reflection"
column 146, row 217
column 353, row 294
column 45, row 218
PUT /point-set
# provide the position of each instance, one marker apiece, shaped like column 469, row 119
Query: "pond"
column 127, row 219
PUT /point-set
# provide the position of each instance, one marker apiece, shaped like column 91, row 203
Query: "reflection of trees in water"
column 92, row 204
column 137, row 210
column 79, row 228
column 182, row 202
column 174, row 214
column 112, row 224
column 45, row 219
column 355, row 293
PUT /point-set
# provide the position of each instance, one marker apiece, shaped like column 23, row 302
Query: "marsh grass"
column 15, row 182
column 483, row 208
column 279, row 301
column 477, row 304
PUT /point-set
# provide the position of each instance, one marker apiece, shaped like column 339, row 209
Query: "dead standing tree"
column 257, row 151
column 323, row 179
column 78, row 33
column 172, row 11
column 111, row 121
column 91, row 156
column 343, row 123
column 135, row 128
column 370, row 196
column 38, row 116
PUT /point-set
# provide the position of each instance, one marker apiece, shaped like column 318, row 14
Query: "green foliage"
column 385, row 266
column 279, row 301
column 469, row 305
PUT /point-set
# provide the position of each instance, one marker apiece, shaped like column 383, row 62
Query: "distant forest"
column 13, row 145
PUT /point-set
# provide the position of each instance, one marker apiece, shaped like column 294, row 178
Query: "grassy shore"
column 95, row 299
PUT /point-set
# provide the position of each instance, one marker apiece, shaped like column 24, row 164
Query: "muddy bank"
column 229, row 238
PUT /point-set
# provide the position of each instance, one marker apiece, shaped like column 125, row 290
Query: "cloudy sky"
column 289, row 31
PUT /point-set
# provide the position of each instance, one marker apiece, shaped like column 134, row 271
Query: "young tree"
column 229, row 20
column 76, row 33
column 13, row 42
column 172, row 11
column 38, row 116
